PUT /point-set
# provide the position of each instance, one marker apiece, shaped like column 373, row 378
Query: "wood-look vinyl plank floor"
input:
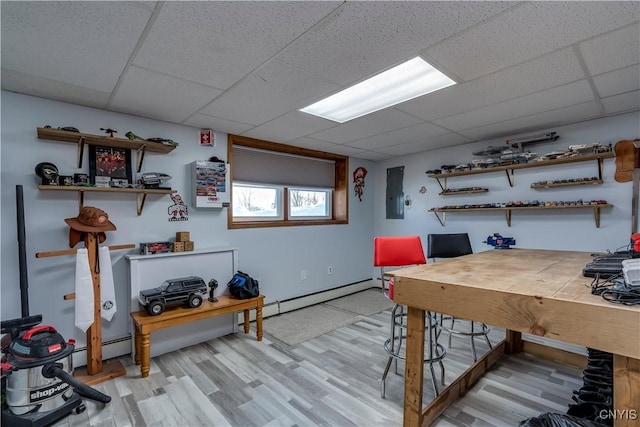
column 330, row 380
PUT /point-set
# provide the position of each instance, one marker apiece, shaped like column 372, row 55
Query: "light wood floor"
column 331, row 380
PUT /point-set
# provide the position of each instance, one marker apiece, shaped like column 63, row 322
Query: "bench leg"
column 246, row 321
column 137, row 357
column 146, row 351
column 259, row 322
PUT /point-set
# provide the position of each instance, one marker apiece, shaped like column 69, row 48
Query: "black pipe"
column 51, row 370
column 22, row 254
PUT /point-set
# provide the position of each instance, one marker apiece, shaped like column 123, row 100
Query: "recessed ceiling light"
column 401, row 83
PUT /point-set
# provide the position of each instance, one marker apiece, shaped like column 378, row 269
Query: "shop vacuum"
column 37, row 386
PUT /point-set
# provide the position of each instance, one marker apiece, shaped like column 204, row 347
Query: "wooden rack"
column 96, row 371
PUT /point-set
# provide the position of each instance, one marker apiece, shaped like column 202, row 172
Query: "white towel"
column 107, row 288
column 84, row 291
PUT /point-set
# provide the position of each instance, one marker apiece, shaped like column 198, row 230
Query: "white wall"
column 553, row 229
column 275, row 255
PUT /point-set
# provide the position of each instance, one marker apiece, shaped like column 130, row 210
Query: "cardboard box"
column 188, row 246
column 177, row 246
column 182, row 236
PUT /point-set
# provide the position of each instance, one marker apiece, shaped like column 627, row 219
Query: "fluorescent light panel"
column 401, row 83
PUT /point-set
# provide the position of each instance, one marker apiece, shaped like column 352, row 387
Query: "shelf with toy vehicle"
column 82, row 139
column 567, row 183
column 141, row 193
column 509, row 169
column 595, row 205
column 466, row 190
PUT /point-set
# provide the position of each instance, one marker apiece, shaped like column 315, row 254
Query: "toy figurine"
column 109, row 131
column 213, row 284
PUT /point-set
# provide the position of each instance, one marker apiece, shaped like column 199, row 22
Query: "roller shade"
column 270, row 167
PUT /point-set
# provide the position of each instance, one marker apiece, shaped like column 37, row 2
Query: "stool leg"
column 384, row 376
column 473, row 343
column 486, row 336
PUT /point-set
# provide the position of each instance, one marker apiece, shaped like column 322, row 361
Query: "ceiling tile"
column 268, row 93
column 138, row 94
column 288, row 127
column 373, row 156
column 52, row 89
column 575, row 113
column 216, row 123
column 416, row 133
column 346, row 151
column 617, row 49
column 217, row 43
column 619, row 81
column 621, row 103
column 378, row 122
column 542, row 73
column 550, row 99
column 42, row 39
column 314, row 144
column 366, row 37
column 533, row 29
column 432, row 143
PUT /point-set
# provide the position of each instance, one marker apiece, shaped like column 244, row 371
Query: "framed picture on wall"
column 109, row 166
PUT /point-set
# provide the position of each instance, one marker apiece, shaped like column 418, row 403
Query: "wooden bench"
column 144, row 323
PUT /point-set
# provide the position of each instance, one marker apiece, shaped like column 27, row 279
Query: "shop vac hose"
column 51, row 370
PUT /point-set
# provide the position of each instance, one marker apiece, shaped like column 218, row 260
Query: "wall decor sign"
column 358, row 181
column 110, row 167
column 178, row 211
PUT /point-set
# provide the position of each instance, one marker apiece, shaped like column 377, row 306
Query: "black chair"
column 450, row 246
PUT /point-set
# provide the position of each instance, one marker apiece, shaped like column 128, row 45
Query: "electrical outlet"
column 303, row 275
column 329, row 270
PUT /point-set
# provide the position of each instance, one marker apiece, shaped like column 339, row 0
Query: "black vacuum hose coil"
column 51, row 370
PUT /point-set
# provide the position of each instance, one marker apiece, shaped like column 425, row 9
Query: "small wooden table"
column 538, row 292
column 144, row 323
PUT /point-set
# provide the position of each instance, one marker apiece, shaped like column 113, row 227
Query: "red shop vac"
column 38, row 388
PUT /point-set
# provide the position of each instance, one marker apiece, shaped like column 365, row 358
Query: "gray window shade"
column 271, row 167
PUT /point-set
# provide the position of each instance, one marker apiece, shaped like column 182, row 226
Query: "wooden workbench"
column 538, row 292
column 144, row 323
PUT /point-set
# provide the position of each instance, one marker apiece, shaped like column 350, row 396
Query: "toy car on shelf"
column 189, row 290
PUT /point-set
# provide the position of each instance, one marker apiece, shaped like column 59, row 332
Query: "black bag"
column 243, row 286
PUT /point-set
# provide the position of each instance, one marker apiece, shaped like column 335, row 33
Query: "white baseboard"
column 279, row 307
column 110, row 349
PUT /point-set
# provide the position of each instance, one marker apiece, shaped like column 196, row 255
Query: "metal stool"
column 450, row 246
column 400, row 252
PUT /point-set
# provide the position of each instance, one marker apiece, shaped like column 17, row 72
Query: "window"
column 279, row 185
column 309, row 203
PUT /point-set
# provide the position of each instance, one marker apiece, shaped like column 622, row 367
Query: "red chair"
column 399, row 252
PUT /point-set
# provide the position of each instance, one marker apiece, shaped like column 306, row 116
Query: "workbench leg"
column 513, row 342
column 146, row 355
column 246, row 321
column 626, row 393
column 259, row 321
column 414, row 369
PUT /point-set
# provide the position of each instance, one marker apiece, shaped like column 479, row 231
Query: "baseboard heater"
column 121, row 346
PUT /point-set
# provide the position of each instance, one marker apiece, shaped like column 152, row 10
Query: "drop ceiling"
column 247, row 67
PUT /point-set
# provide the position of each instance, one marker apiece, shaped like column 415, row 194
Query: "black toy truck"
column 185, row 290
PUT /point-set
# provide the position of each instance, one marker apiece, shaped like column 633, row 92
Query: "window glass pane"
column 256, row 202
column 307, row 203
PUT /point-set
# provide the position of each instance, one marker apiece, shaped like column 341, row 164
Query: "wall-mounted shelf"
column 83, row 139
column 568, row 184
column 509, row 169
column 508, row 210
column 456, row 192
column 141, row 193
